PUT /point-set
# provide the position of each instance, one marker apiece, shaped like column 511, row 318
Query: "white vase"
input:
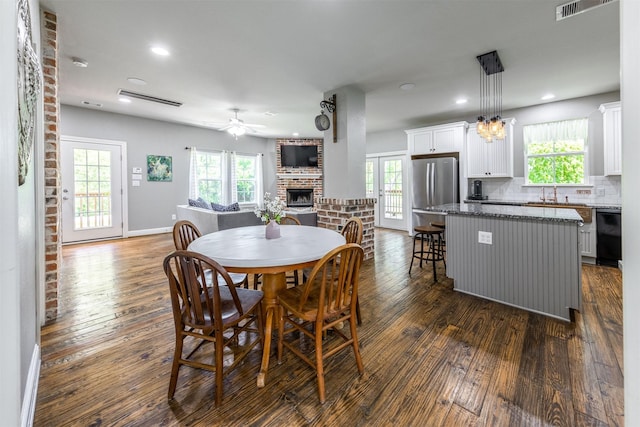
column 272, row 230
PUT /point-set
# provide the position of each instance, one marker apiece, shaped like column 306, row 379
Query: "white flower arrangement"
column 272, row 210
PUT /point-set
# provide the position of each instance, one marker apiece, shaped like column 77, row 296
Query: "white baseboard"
column 31, row 389
column 136, row 233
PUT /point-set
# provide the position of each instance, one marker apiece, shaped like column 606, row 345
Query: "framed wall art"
column 29, row 84
column 159, row 168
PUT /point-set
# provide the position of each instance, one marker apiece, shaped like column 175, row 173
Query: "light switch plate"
column 136, row 170
column 485, row 237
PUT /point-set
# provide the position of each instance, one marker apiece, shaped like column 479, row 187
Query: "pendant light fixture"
column 490, row 125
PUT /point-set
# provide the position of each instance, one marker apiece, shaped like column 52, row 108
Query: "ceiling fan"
column 237, row 127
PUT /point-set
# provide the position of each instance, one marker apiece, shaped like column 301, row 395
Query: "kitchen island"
column 527, row 257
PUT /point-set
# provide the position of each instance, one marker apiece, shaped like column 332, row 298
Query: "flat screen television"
column 297, row 156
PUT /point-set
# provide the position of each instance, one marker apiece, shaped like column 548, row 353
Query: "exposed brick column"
column 334, row 213
column 49, row 36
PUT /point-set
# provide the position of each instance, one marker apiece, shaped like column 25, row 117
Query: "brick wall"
column 334, row 213
column 299, row 177
column 49, row 36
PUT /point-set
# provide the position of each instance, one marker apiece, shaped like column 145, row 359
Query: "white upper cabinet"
column 447, row 138
column 490, row 159
column 612, row 126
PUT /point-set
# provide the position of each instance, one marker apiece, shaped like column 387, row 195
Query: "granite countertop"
column 509, row 211
column 524, row 203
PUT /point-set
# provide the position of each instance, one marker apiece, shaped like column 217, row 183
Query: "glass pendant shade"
column 490, row 97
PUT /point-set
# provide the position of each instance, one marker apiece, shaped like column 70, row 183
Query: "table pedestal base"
column 271, row 285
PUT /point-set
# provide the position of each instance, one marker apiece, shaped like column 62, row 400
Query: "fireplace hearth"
column 300, row 197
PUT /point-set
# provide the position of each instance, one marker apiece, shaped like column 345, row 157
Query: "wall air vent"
column 578, row 6
column 123, row 92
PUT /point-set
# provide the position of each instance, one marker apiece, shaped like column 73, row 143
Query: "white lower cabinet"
column 588, row 240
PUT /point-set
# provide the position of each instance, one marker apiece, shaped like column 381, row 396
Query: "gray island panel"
column 533, row 261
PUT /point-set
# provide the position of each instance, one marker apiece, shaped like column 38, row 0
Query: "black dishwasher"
column 609, row 235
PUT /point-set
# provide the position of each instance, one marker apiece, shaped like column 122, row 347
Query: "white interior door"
column 92, row 192
column 386, row 181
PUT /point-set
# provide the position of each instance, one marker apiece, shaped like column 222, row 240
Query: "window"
column 207, row 171
column 556, row 152
column 223, row 178
column 368, row 180
column 245, row 179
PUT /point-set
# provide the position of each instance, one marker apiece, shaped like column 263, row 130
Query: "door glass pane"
column 392, row 189
column 369, row 178
column 92, row 187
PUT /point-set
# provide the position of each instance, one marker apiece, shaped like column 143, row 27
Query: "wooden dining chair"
column 325, row 302
column 352, row 232
column 204, row 310
column 293, row 278
column 185, row 232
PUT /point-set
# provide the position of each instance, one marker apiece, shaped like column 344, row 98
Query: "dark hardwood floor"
column 432, row 356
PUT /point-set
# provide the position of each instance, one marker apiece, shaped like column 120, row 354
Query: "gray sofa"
column 209, row 221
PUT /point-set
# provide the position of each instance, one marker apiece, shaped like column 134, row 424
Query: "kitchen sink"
column 581, row 208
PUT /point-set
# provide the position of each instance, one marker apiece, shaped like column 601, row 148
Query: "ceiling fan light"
column 237, row 131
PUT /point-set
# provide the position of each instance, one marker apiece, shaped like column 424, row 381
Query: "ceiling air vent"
column 576, row 7
column 149, row 98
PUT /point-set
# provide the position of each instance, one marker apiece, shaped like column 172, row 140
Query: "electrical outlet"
column 173, row 217
column 485, row 237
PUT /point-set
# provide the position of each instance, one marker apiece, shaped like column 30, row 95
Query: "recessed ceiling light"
column 296, row 134
column 79, row 62
column 461, row 101
column 160, row 51
column 548, row 97
column 91, row 104
column 270, row 113
column 124, row 100
column 407, row 86
column 136, row 81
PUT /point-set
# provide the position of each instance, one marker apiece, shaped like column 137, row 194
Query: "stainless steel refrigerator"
column 435, row 182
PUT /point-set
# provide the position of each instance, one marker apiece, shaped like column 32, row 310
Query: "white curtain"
column 224, row 173
column 557, row 131
column 259, row 181
column 193, row 176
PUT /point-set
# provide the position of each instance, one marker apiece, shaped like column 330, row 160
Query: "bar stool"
column 440, row 224
column 434, row 237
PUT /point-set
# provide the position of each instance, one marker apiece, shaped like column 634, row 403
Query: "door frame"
column 123, row 177
column 405, row 186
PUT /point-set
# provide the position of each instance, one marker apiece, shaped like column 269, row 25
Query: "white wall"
column 152, row 203
column 10, row 392
column 18, row 260
column 630, row 96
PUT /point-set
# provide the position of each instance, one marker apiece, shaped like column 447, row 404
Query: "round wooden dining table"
column 247, row 250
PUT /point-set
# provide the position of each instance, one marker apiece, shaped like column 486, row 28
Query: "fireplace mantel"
column 299, row 175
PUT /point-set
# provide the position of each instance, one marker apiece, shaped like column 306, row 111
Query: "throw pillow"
column 233, row 207
column 200, row 203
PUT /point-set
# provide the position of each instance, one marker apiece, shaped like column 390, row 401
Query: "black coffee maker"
column 477, row 191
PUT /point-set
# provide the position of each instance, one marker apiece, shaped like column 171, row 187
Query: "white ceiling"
column 281, row 56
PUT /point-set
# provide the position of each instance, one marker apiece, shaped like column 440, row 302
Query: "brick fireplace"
column 299, row 197
column 303, row 183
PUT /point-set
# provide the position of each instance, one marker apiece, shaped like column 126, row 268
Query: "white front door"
column 92, row 192
column 386, row 182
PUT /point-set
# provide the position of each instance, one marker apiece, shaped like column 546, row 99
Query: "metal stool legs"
column 435, row 250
